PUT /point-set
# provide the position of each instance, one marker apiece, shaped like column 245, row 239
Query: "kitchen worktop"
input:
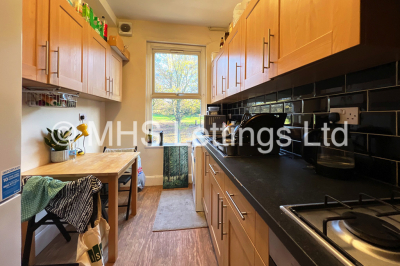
column 268, row 182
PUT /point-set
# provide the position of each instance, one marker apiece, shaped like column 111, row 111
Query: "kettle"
column 333, row 163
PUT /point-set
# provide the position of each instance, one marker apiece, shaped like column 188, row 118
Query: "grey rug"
column 176, row 211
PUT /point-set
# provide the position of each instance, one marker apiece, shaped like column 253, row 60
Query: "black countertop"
column 271, row 181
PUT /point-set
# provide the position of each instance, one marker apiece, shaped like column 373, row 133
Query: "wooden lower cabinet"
column 206, row 187
column 217, row 201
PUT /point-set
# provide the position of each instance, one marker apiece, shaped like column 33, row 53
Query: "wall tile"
column 330, row 86
column 320, row 120
column 378, row 123
column 293, row 107
column 375, row 168
column 269, row 98
column 241, row 111
column 296, row 133
column 277, row 108
column 288, row 121
column 376, row 77
column 285, row 95
column 385, row 99
column 297, row 147
column 251, row 102
column 298, row 120
column 305, row 91
column 288, row 148
column 315, row 105
column 384, row 147
column 349, row 100
column 265, row 109
column 260, row 99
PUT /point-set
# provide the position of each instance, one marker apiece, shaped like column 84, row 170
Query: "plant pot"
column 59, row 156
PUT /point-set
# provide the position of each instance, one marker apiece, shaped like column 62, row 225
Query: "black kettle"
column 329, row 160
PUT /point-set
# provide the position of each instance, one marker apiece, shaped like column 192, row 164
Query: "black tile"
column 229, row 106
column 285, row 95
column 378, row 123
column 384, row 147
column 376, row 77
column 288, row 121
column 251, row 102
column 320, row 120
column 315, row 105
column 269, row 98
column 277, row 108
column 330, row 86
column 260, row 99
column 287, row 148
column 293, row 107
column 296, row 133
column 265, row 109
column 244, row 103
column 236, row 111
column 360, row 142
column 297, row 147
column 385, row 99
column 349, row 100
column 305, row 91
column 241, row 110
column 298, row 120
column 378, row 169
column 235, row 105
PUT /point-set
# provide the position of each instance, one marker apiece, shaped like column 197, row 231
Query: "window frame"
column 152, row 49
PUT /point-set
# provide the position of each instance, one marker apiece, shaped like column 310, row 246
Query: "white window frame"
column 152, row 48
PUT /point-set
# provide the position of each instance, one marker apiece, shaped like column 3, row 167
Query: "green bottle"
column 91, row 18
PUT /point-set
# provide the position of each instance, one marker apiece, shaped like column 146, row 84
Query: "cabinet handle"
column 222, row 219
column 223, row 84
column 218, row 223
column 206, row 163
column 269, row 50
column 212, row 169
column 47, row 58
column 112, row 88
column 58, row 62
column 236, row 207
column 237, row 83
column 109, row 85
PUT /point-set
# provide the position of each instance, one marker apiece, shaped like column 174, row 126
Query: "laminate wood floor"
column 138, row 245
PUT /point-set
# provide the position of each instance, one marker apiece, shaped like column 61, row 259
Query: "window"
column 176, row 89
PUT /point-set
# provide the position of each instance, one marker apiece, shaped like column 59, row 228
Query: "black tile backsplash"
column 350, row 100
column 305, row 91
column 385, row 99
column 315, row 105
column 376, row 77
column 376, row 140
column 330, row 86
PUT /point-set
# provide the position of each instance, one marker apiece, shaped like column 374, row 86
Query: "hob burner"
column 372, row 229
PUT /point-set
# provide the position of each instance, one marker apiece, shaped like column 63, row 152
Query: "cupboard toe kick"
column 238, row 233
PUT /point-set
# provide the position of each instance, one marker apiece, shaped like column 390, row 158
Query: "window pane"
column 176, row 73
column 178, row 118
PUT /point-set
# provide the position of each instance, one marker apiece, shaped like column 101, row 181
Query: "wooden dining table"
column 107, row 167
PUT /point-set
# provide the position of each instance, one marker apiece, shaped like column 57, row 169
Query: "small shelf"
column 117, row 45
column 49, row 98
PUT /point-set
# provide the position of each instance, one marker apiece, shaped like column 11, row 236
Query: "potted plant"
column 58, row 141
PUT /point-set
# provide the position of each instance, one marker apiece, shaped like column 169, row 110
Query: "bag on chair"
column 92, row 242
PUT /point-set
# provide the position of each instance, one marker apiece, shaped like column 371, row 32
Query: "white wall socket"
column 351, row 115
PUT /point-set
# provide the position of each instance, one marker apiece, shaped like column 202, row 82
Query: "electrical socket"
column 82, row 116
column 350, row 114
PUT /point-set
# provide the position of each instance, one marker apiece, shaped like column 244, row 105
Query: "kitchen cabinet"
column 35, row 44
column 115, row 76
column 222, row 73
column 311, row 30
column 213, row 79
column 235, row 70
column 68, row 47
column 99, row 82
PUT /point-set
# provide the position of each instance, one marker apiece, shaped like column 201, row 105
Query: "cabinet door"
column 311, row 30
column 206, row 187
column 216, row 198
column 239, row 251
column 68, row 47
column 222, row 64
column 254, row 38
column 234, row 61
column 35, row 34
column 98, row 65
column 116, row 76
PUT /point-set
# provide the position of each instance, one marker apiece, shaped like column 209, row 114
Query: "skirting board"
column 157, row 180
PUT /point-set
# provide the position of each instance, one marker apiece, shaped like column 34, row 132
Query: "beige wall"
column 35, row 120
column 133, row 106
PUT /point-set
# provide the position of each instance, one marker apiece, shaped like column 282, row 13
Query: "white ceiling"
column 214, row 13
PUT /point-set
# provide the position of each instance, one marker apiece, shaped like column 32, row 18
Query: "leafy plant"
column 58, row 139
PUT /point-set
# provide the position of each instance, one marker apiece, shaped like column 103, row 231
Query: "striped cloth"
column 74, row 203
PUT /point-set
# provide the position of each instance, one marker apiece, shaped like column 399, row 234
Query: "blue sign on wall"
column 10, row 182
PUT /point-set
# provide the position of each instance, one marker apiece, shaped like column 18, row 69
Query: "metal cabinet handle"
column 222, row 219
column 269, row 51
column 58, row 62
column 237, row 83
column 109, row 84
column 212, row 169
column 218, row 223
column 206, row 163
column 236, row 207
column 223, row 84
column 112, row 87
column 47, row 57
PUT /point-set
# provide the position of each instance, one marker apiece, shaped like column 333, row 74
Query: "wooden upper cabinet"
column 68, row 47
column 222, row 74
column 115, row 76
column 235, row 69
column 98, row 65
column 35, row 39
column 213, row 79
column 311, row 30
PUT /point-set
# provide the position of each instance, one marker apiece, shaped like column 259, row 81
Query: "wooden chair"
column 124, row 179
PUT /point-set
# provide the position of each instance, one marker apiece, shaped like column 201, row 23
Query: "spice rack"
column 49, row 98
